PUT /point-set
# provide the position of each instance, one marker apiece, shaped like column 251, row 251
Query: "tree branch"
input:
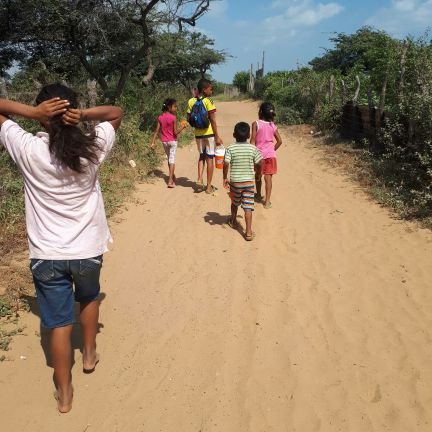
column 200, row 10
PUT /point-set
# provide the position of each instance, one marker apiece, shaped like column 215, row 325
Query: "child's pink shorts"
column 268, row 166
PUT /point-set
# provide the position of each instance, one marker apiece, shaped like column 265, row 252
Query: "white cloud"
column 301, row 13
column 405, row 5
column 281, row 28
column 306, row 12
column 403, row 17
column 218, row 9
column 320, row 13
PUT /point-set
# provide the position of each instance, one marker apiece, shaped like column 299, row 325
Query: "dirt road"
column 322, row 323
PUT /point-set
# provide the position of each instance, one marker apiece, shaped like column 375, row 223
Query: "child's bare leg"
column 248, row 219
column 61, row 354
column 234, row 214
column 258, row 184
column 201, row 162
column 268, row 188
column 89, row 317
column 210, row 169
column 168, row 172
column 171, row 168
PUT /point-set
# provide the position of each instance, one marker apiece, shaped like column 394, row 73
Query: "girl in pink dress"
column 168, row 130
column 264, row 133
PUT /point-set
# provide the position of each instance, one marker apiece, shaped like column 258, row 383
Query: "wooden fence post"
column 357, row 91
column 343, row 93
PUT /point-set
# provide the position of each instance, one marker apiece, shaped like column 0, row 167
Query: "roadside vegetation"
column 374, row 93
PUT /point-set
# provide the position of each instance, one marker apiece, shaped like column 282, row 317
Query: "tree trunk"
column 331, row 88
column 3, row 89
column 150, row 70
column 382, row 100
column 91, row 93
column 402, row 70
column 372, row 135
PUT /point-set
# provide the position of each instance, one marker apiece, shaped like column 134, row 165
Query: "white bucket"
column 219, row 157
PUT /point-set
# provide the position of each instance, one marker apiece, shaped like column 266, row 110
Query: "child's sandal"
column 249, row 237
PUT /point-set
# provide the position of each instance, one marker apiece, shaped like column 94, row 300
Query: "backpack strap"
column 202, row 100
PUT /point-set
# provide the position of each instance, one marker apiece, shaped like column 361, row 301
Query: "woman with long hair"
column 65, row 216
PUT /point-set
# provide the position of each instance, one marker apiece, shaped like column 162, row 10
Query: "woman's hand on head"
column 50, row 108
column 72, row 117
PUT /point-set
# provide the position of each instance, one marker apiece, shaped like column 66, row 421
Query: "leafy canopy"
column 108, row 39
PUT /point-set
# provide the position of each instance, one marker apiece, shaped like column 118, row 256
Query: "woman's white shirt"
column 65, row 212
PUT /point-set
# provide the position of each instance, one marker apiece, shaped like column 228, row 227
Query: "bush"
column 328, row 117
column 296, row 94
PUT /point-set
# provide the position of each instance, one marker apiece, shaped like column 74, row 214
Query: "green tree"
column 369, row 56
column 185, row 57
column 352, row 50
column 108, row 39
column 241, row 81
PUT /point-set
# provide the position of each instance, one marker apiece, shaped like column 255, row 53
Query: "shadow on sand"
column 213, row 218
column 180, row 181
column 44, row 333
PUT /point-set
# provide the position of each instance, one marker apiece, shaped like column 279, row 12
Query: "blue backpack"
column 198, row 117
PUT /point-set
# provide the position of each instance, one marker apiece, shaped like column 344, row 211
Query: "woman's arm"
column 278, row 139
column 42, row 113
column 3, row 119
column 254, row 132
column 109, row 113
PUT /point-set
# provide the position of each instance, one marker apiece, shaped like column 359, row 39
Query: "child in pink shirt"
column 168, row 130
column 264, row 132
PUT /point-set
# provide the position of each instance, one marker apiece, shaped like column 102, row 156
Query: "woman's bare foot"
column 90, row 362
column 64, row 399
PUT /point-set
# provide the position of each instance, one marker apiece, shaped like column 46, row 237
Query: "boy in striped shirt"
column 240, row 159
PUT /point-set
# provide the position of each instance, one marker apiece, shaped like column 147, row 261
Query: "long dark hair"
column 168, row 103
column 266, row 112
column 68, row 144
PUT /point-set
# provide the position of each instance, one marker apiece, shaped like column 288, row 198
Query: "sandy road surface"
column 322, row 323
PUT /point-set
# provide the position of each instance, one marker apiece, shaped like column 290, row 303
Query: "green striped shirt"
column 242, row 157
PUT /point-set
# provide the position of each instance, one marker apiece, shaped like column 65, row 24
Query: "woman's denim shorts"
column 55, row 280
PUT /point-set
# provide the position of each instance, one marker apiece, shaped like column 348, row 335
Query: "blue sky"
column 292, row 32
